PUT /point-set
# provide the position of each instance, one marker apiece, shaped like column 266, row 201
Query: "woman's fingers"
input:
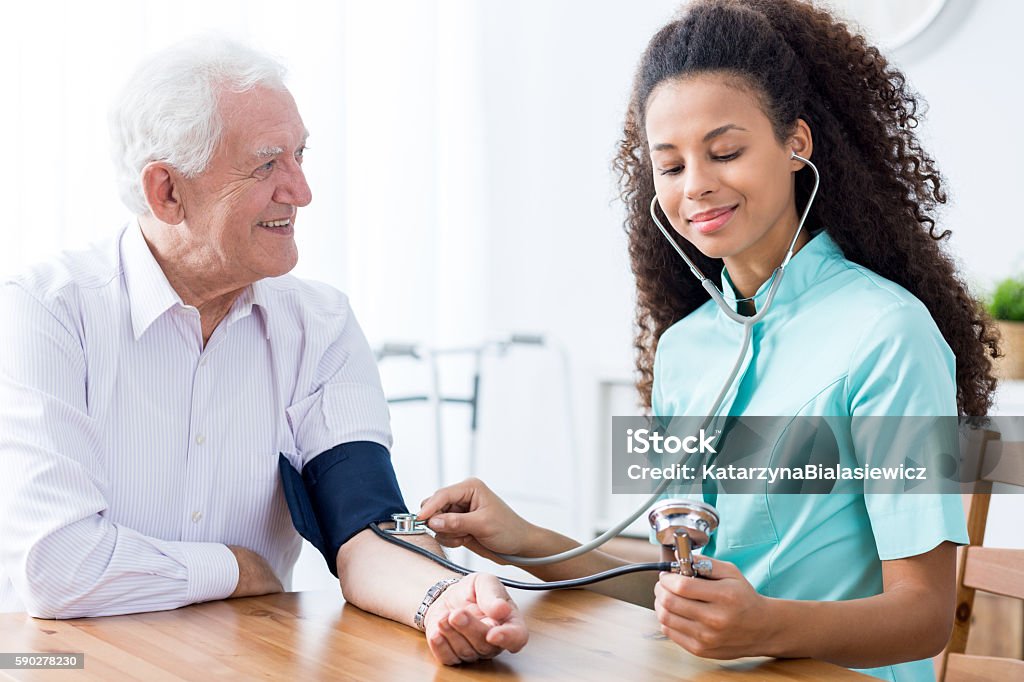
column 463, row 496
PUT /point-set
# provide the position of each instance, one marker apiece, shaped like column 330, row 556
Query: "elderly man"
column 148, row 385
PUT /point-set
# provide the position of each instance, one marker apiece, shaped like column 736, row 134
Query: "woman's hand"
column 720, row 616
column 474, row 619
column 469, row 514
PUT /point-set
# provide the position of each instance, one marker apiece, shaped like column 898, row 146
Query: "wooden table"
column 574, row 635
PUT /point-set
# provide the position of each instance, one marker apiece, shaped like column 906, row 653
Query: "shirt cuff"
column 212, row 570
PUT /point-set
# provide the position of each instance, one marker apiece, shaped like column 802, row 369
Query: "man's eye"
column 266, row 168
column 300, row 154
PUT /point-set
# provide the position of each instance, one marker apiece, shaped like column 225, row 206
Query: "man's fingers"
column 441, row 649
column 462, row 647
column 511, row 632
column 511, row 636
column 473, row 630
column 492, row 597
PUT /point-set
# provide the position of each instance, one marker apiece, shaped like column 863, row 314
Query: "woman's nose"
column 699, row 181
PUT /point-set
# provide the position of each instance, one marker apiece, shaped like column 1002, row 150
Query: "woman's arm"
column 471, row 515
column 724, row 617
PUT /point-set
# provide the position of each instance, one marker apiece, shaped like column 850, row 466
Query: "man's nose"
column 294, row 190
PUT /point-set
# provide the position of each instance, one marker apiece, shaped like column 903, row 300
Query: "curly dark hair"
column 802, row 63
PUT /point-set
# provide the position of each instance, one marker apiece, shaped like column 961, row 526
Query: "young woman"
column 869, row 319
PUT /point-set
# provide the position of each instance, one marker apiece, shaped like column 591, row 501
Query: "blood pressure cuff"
column 339, row 493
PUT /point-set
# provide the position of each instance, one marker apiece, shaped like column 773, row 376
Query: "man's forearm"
column 385, row 579
column 108, row 580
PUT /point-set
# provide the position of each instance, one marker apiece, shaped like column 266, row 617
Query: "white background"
column 460, row 167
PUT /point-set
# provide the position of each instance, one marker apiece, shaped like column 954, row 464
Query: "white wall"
column 972, row 84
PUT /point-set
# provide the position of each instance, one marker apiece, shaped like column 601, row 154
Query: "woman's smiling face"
column 723, row 179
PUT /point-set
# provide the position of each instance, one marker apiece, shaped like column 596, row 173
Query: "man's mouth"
column 275, row 223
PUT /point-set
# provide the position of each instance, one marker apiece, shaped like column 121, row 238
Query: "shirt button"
column 200, row 439
column 202, row 363
column 196, row 516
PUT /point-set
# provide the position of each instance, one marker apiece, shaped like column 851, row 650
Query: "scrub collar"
column 805, row 268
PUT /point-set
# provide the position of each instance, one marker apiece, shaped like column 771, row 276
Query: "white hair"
column 168, row 110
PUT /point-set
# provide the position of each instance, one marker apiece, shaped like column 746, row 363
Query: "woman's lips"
column 715, row 221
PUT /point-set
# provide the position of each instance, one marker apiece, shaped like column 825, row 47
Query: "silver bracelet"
column 433, row 593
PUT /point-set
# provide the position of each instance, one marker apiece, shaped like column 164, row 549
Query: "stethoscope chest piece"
column 685, row 525
column 407, row 524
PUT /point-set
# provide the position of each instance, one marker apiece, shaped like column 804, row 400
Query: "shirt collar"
column 255, row 296
column 805, row 268
column 150, row 295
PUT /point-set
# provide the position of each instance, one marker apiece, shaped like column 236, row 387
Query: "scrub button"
column 200, row 439
column 197, row 516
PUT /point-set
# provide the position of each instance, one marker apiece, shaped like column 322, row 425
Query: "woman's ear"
column 160, row 186
column 800, row 143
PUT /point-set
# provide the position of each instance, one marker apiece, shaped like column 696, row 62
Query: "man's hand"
column 255, row 577
column 474, row 619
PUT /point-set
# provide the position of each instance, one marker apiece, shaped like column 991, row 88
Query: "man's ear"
column 801, row 143
column 161, row 187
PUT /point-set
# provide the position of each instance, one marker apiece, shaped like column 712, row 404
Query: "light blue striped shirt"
column 131, row 456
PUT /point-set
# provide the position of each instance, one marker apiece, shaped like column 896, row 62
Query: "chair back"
column 989, row 569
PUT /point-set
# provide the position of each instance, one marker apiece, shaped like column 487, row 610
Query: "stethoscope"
column 681, row 525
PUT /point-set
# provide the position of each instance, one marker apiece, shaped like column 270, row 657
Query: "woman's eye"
column 727, row 157
column 674, row 170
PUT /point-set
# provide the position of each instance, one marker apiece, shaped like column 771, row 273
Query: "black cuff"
column 339, row 493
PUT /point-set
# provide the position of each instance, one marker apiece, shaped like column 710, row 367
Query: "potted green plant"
column 1007, row 306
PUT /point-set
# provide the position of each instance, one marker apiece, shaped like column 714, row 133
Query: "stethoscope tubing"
column 518, row 584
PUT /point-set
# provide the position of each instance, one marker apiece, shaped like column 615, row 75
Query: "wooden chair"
column 989, row 569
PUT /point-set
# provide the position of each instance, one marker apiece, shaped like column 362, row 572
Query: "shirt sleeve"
column 347, row 402
column 64, row 557
column 902, row 376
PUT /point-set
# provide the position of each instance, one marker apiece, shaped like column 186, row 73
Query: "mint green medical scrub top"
column 839, row 340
